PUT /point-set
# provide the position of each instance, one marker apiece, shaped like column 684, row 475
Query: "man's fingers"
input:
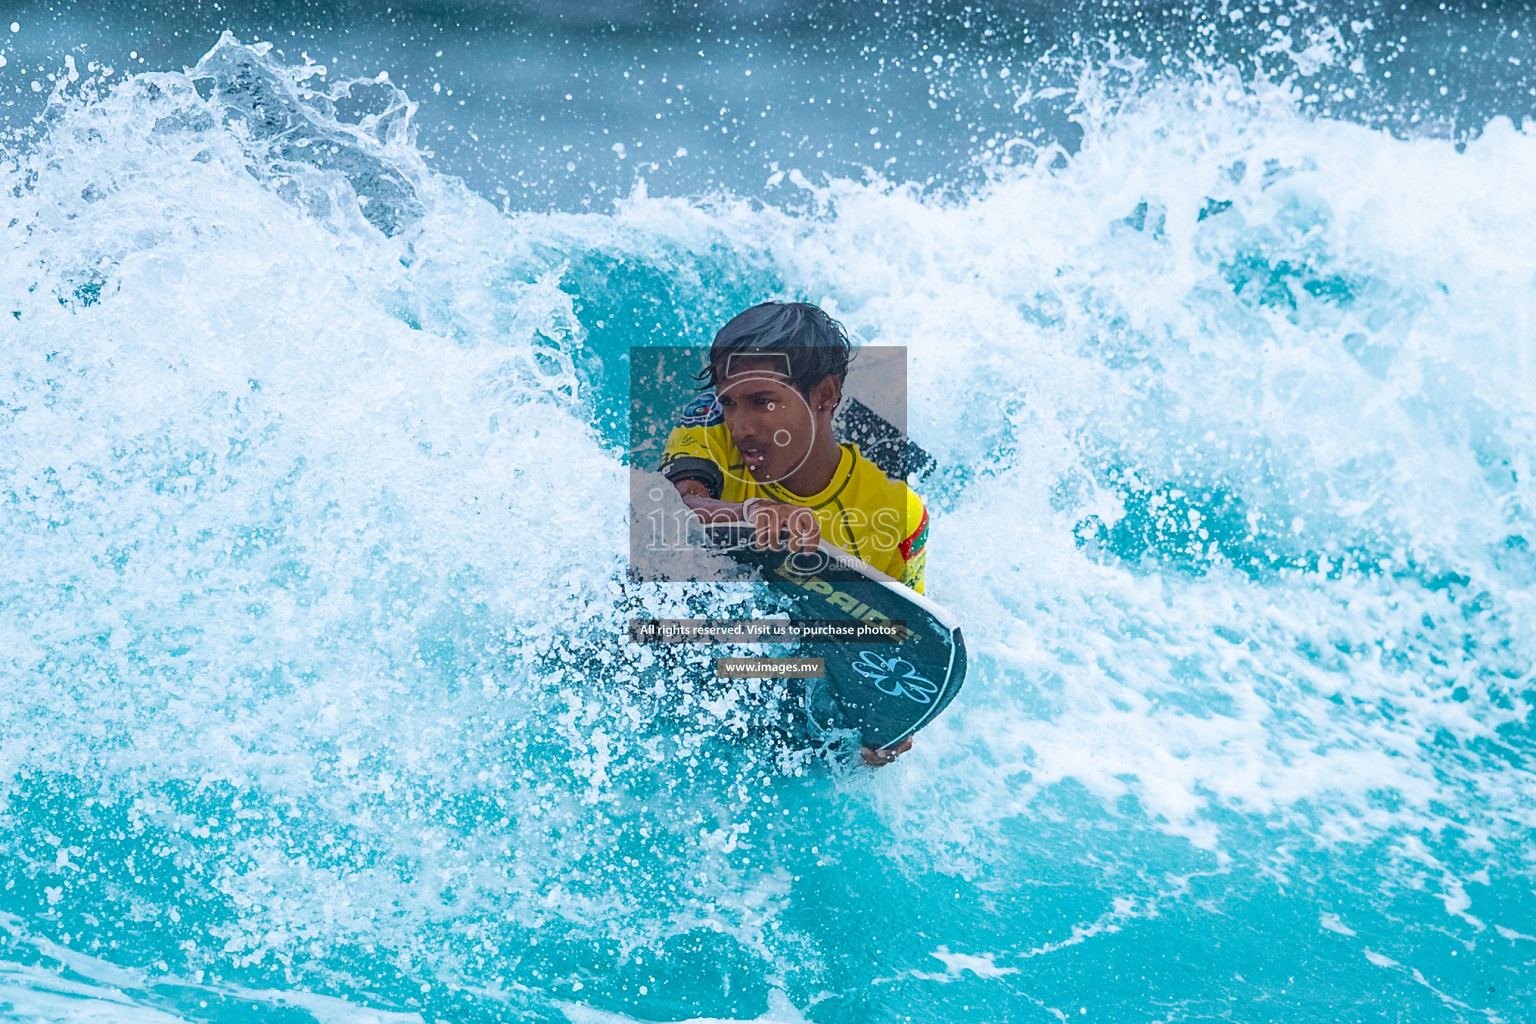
column 770, row 524
column 877, row 758
column 763, row 521
column 804, row 530
column 771, row 530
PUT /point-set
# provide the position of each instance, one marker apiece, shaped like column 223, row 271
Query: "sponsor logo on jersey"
column 703, row 411
column 913, row 545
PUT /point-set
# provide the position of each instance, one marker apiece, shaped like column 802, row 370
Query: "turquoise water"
column 312, row 520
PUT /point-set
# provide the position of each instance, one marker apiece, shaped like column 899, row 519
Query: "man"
column 757, row 446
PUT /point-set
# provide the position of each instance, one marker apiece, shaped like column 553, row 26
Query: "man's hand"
column 885, row 755
column 772, row 520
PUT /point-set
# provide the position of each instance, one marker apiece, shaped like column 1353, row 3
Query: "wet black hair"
column 815, row 345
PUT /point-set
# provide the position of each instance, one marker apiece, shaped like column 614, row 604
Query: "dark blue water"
column 313, row 499
column 527, row 101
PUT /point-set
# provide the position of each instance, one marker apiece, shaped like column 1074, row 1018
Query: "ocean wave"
column 311, row 510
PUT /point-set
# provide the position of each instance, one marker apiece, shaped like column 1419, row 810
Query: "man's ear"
column 827, row 394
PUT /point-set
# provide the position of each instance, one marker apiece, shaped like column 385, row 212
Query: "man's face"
column 770, row 422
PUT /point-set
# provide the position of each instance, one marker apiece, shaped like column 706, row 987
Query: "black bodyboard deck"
column 885, row 690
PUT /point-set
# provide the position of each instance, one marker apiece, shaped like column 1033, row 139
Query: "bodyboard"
column 885, row 690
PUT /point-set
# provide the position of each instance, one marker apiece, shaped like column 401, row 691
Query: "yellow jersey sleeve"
column 914, row 547
column 691, row 452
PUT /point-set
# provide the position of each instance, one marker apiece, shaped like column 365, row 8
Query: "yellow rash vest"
column 880, row 521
